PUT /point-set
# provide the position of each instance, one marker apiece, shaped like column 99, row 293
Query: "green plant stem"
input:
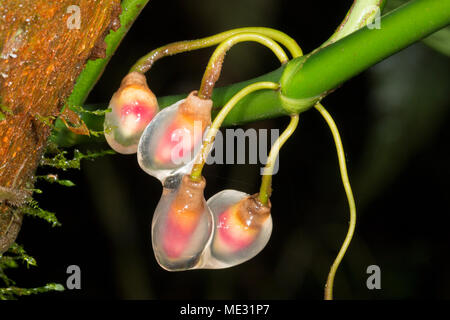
column 147, row 61
column 307, row 79
column 361, row 13
column 215, row 63
column 266, row 182
column 351, row 201
column 197, row 168
column 94, row 68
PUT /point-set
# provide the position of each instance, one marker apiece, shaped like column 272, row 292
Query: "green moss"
column 9, row 260
column 19, row 253
column 32, row 209
column 4, row 110
column 13, row 292
column 96, row 112
column 60, row 160
column 48, row 121
column 53, row 178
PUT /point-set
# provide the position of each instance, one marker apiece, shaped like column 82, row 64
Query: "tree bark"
column 41, row 54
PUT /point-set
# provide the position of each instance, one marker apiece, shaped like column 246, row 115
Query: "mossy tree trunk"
column 41, row 55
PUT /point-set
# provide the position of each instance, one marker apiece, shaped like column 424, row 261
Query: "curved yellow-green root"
column 351, row 201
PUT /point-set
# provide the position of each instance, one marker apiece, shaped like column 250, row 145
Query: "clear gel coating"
column 181, row 226
column 132, row 107
column 170, row 142
column 238, row 235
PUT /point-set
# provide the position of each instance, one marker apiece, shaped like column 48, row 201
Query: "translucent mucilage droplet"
column 242, row 228
column 172, row 140
column 182, row 224
column 133, row 106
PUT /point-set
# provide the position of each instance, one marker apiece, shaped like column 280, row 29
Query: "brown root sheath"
column 134, row 78
column 252, row 212
column 190, row 195
column 197, row 108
